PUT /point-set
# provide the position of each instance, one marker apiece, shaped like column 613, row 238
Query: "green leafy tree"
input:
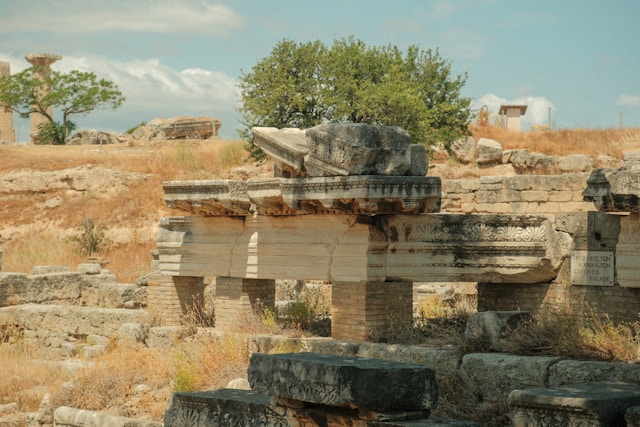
column 73, row 93
column 303, row 85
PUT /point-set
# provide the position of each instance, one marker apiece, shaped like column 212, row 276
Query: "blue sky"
column 577, row 59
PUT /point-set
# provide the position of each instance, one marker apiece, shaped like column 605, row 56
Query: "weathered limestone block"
column 594, row 404
column 491, row 325
column 357, row 149
column 369, row 384
column 575, row 163
column 465, row 149
column 581, row 371
column 495, row 375
column 287, row 147
column 71, row 320
column 615, row 190
column 489, row 151
column 525, row 161
column 230, row 407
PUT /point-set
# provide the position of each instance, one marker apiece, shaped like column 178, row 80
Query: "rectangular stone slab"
column 375, row 385
column 592, row 404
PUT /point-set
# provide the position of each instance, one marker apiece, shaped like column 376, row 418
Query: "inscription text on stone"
column 592, row 268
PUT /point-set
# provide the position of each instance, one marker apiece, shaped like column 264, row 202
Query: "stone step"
column 353, row 382
column 593, row 404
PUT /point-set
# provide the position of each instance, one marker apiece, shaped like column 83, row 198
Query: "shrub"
column 91, row 240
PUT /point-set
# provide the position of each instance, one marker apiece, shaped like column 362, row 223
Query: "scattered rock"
column 489, row 151
column 465, row 150
column 92, row 136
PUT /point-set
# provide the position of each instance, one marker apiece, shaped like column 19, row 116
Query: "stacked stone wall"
column 620, row 304
column 522, row 194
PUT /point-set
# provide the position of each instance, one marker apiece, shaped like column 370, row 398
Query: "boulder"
column 357, row 149
column 575, row 163
column 92, row 136
column 465, row 149
column 490, row 326
column 525, row 161
column 489, row 151
column 495, row 375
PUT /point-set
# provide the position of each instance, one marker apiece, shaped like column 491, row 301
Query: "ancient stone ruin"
column 160, row 129
column 42, row 63
column 7, row 132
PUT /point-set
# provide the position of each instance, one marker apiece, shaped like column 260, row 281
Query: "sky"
column 574, row 63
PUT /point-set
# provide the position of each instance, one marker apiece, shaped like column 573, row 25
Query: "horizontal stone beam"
column 360, row 248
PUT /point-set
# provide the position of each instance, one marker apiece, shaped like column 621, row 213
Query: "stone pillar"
column 370, row 310
column 237, row 299
column 43, row 63
column 169, row 297
column 7, row 132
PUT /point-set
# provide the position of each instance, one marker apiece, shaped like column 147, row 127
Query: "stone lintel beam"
column 474, row 248
column 360, row 248
column 352, row 382
column 616, row 190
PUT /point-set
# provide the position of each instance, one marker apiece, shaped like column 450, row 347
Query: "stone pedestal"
column 169, row 297
column 370, row 310
column 237, row 299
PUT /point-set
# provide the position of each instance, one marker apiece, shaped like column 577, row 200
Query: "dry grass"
column 562, row 142
column 131, row 381
column 34, row 235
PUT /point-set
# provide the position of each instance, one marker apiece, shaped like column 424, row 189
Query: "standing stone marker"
column 592, row 268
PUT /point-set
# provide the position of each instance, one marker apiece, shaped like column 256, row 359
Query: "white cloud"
column 628, row 101
column 537, row 107
column 139, row 16
column 153, row 89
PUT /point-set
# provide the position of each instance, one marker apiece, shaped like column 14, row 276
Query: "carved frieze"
column 615, row 190
column 208, row 198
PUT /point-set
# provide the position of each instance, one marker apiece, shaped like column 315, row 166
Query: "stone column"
column 43, row 63
column 237, row 299
column 370, row 310
column 7, row 132
column 169, row 297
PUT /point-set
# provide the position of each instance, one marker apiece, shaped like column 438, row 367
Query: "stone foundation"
column 363, row 311
column 238, row 298
column 170, row 296
column 620, row 304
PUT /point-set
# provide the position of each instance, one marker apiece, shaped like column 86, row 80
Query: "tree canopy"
column 73, row 93
column 305, row 84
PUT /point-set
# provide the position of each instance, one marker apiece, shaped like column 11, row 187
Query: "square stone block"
column 371, row 384
column 591, row 404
